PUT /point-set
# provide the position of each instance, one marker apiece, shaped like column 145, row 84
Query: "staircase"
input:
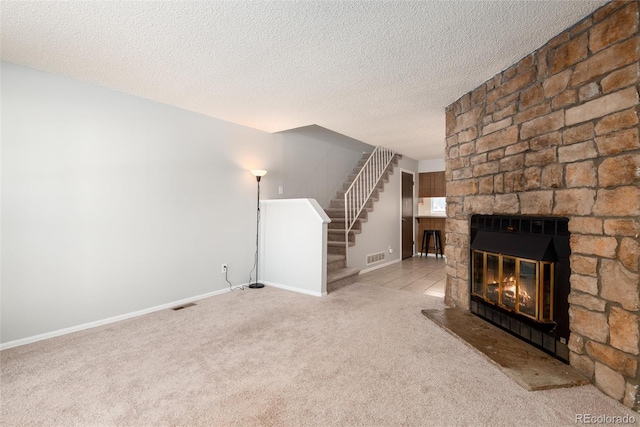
column 338, row 274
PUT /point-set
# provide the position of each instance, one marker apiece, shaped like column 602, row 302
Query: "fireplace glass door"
column 520, row 285
column 527, row 288
column 509, row 283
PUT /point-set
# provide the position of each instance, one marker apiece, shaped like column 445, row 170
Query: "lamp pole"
column 258, row 173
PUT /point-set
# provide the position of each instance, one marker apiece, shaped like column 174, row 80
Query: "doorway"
column 407, row 215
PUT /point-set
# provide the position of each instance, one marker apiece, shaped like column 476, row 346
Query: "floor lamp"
column 258, row 173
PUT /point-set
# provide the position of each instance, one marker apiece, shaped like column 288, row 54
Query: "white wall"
column 298, row 260
column 431, row 165
column 382, row 230
column 112, row 204
column 318, row 162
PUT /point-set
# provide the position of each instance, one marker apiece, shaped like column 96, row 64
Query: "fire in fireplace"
column 520, row 285
column 520, row 277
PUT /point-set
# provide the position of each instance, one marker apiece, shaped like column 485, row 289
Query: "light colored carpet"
column 363, row 356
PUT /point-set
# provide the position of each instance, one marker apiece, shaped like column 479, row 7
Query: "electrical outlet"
column 224, row 268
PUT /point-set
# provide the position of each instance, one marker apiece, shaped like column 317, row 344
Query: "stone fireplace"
column 556, row 136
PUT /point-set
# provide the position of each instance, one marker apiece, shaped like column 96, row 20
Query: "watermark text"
column 604, row 419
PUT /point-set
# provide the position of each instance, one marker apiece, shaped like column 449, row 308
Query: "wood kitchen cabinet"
column 431, row 184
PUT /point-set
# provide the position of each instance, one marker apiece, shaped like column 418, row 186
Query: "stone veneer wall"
column 557, row 135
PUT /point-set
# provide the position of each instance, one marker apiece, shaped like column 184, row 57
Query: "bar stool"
column 437, row 243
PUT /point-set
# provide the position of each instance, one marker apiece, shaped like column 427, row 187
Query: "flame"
column 509, row 289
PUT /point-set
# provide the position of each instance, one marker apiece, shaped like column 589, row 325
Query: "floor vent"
column 180, row 307
column 373, row 258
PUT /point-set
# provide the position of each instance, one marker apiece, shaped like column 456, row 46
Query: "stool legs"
column 425, row 243
column 437, row 247
column 437, row 242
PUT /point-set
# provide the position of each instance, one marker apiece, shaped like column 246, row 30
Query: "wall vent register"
column 373, row 258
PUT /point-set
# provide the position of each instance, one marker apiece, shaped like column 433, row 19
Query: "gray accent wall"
column 113, row 204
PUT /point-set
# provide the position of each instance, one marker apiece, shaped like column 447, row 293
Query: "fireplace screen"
column 519, row 285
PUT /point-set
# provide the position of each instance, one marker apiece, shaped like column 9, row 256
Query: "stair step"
column 341, row 230
column 339, row 203
column 335, row 262
column 341, row 274
column 337, row 243
column 338, row 224
column 340, row 194
column 337, row 250
column 336, row 212
column 353, row 176
column 336, row 216
column 338, row 236
column 355, row 171
column 343, row 277
column 334, row 258
column 380, row 186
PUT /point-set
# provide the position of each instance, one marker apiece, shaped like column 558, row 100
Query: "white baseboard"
column 106, row 321
column 366, row 270
column 294, row 289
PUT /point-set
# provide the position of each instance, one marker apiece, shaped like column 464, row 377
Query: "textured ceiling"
column 380, row 72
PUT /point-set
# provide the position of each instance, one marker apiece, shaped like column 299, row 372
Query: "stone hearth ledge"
column 531, row 368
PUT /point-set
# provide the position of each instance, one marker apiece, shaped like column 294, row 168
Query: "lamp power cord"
column 231, row 287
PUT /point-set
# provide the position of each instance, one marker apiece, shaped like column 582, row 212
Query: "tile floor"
column 424, row 275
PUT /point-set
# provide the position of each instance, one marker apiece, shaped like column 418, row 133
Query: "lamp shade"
column 258, row 172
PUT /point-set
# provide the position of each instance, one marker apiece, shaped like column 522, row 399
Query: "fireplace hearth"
column 520, row 277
